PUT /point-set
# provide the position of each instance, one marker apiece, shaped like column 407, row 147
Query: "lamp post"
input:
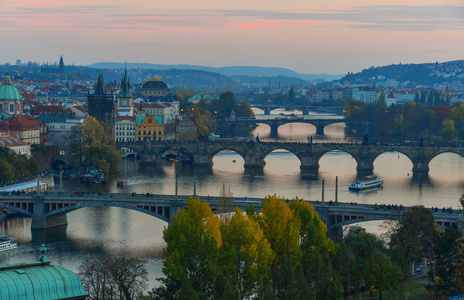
column 38, row 184
column 61, row 179
column 322, row 191
column 176, row 186
column 194, row 184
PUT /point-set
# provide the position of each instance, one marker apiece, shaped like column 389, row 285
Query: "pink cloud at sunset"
column 273, row 23
column 307, row 36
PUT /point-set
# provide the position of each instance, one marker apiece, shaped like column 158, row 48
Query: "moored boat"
column 121, row 183
column 93, row 175
column 366, row 182
column 7, row 243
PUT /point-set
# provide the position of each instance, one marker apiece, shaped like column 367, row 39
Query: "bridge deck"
column 347, row 210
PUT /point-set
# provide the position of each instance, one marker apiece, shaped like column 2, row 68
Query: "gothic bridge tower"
column 101, row 103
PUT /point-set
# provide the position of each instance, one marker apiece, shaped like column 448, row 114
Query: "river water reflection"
column 95, row 231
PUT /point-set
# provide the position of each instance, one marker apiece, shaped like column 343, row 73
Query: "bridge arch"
column 398, row 160
column 225, row 148
column 339, row 151
column 359, row 220
column 71, row 208
column 291, row 155
column 452, row 167
column 16, row 209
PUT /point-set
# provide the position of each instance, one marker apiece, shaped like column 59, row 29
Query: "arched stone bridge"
column 275, row 123
column 309, row 154
column 50, row 210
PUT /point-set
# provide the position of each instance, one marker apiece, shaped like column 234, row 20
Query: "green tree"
column 414, row 237
column 381, row 100
column 97, row 148
column 191, row 263
column 247, row 254
column 381, row 273
column 448, row 131
column 282, row 231
column 7, row 171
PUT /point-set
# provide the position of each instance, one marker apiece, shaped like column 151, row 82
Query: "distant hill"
column 227, row 71
column 410, row 75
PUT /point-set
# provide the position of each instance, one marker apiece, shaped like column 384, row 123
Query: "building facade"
column 125, row 128
column 150, row 128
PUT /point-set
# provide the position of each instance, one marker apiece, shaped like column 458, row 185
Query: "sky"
column 316, row 36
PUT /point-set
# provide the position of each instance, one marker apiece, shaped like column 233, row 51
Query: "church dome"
column 8, row 91
column 154, row 83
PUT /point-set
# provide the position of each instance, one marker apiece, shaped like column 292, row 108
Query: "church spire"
column 61, row 64
column 100, row 89
column 125, row 86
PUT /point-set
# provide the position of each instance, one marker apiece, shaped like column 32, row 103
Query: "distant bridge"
column 309, row 154
column 275, row 123
column 304, row 108
column 50, row 210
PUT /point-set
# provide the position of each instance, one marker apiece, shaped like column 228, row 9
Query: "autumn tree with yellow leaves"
column 268, row 254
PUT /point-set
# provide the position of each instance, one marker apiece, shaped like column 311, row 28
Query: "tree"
column 191, row 255
column 317, row 252
column 247, row 254
column 114, row 277
column 381, row 272
column 291, row 95
column 445, row 267
column 448, row 131
column 96, row 148
column 7, row 171
column 225, row 205
column 414, row 237
column 381, row 100
column 282, row 231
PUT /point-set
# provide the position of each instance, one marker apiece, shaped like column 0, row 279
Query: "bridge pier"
column 320, row 129
column 420, row 167
column 174, row 205
column 365, row 166
column 267, row 110
column 274, row 131
column 254, row 163
column 40, row 221
column 202, row 160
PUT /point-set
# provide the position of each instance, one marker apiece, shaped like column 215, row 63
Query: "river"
column 99, row 231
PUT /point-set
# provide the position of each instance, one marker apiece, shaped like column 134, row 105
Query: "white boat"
column 7, row 243
column 366, row 182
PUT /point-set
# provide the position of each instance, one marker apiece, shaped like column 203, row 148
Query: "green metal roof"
column 39, row 281
column 9, row 92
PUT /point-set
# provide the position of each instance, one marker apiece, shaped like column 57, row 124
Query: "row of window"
column 125, row 139
column 12, row 107
column 124, row 133
column 123, row 127
column 149, row 133
column 141, row 139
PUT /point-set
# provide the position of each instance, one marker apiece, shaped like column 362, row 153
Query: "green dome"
column 8, row 91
